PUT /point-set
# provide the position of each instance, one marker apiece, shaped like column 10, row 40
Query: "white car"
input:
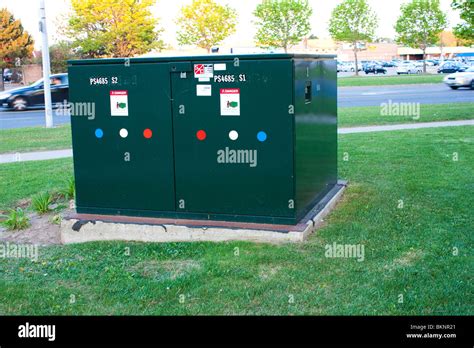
column 460, row 79
column 408, row 68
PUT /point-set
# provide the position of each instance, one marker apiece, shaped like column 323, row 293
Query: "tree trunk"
column 2, row 85
column 356, row 63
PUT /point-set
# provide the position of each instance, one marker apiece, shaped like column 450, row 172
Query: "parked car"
column 375, row 69
column 389, row 64
column 461, row 79
column 450, row 67
column 7, row 75
column 33, row 96
column 408, row 68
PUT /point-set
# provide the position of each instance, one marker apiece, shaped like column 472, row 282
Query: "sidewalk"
column 54, row 154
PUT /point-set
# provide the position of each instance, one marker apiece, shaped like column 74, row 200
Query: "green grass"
column 408, row 251
column 25, row 179
column 35, row 139
column 388, row 80
column 371, row 115
column 38, row 138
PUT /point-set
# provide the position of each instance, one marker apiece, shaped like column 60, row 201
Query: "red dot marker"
column 201, row 135
column 147, row 133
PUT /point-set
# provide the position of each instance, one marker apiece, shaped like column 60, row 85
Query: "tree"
column 15, row 42
column 117, row 28
column 465, row 30
column 353, row 21
column 282, row 23
column 205, row 24
column 419, row 25
column 60, row 53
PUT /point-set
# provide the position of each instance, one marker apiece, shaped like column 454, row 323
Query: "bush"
column 16, row 220
column 41, row 202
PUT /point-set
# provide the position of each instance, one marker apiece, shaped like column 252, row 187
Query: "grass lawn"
column 371, row 115
column 39, row 138
column 35, row 139
column 408, row 251
column 388, row 80
column 24, row 179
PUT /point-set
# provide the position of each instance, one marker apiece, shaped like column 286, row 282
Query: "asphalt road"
column 424, row 94
column 348, row 97
column 31, row 118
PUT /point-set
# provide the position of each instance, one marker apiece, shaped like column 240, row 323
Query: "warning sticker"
column 203, row 90
column 230, row 101
column 119, row 103
column 203, row 70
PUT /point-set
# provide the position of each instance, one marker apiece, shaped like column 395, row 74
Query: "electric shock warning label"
column 230, row 101
column 119, row 103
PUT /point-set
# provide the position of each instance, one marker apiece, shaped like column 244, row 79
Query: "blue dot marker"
column 99, row 133
column 261, row 136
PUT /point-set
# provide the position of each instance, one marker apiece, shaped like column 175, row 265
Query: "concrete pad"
column 80, row 228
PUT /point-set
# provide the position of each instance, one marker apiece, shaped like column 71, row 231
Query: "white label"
column 230, row 101
column 204, row 79
column 220, row 67
column 203, row 90
column 119, row 103
column 203, row 70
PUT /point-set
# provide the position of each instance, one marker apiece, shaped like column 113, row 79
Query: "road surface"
column 348, row 97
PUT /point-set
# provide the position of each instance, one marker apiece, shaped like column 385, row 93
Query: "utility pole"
column 48, row 110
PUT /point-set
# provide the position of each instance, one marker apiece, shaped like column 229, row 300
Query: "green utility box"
column 249, row 138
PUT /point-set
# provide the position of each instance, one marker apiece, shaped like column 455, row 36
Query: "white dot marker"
column 233, row 135
column 123, row 133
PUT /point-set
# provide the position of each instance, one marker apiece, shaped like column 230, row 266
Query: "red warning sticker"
column 119, row 103
column 203, row 70
column 230, row 101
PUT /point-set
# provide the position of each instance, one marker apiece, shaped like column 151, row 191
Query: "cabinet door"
column 233, row 137
column 123, row 154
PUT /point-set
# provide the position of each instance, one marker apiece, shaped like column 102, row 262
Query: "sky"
column 167, row 10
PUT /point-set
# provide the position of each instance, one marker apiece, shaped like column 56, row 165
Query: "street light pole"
column 48, row 111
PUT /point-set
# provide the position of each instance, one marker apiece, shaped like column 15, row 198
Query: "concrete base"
column 79, row 228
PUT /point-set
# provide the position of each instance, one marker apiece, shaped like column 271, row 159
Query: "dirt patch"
column 42, row 231
column 266, row 272
column 165, row 270
column 406, row 260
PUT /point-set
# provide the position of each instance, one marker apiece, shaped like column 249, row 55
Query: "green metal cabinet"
column 238, row 138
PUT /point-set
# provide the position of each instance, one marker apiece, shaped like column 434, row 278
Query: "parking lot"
column 390, row 72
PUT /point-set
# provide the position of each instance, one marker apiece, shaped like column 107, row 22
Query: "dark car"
column 389, row 64
column 33, row 96
column 7, row 75
column 451, row 67
column 375, row 69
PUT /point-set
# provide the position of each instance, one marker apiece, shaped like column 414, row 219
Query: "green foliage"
column 16, row 220
column 41, row 202
column 117, row 28
column 353, row 21
column 59, row 54
column 282, row 23
column 205, row 23
column 69, row 190
column 15, row 42
column 420, row 23
column 465, row 30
